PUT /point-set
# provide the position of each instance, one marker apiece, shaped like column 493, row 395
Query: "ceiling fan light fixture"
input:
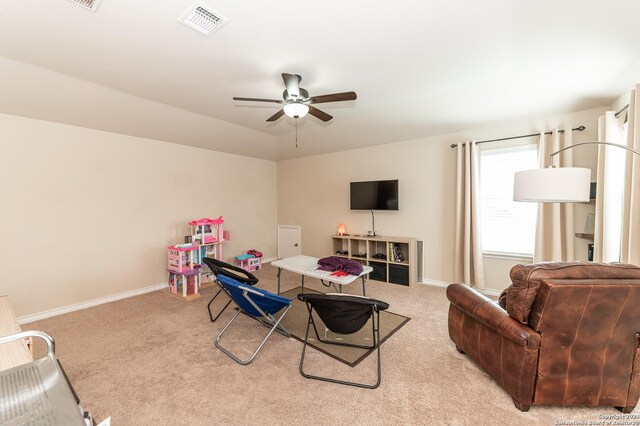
column 296, row 110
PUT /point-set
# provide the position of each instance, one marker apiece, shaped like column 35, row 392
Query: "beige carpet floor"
column 150, row 360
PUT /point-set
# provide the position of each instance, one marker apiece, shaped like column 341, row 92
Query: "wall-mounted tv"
column 374, row 195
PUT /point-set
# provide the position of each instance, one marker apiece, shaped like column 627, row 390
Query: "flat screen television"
column 374, row 195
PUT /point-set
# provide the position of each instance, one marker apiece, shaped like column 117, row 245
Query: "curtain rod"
column 579, row 129
column 624, row 108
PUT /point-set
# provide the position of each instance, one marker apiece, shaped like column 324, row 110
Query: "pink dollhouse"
column 184, row 261
column 181, row 257
column 184, row 270
column 206, row 231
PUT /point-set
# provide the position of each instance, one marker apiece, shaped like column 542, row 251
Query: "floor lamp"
column 557, row 184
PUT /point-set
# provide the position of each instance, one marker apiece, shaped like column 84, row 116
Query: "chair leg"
column 248, row 360
column 221, row 311
column 376, row 338
column 522, row 407
column 280, row 329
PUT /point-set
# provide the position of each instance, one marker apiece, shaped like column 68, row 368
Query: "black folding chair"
column 343, row 314
column 219, row 267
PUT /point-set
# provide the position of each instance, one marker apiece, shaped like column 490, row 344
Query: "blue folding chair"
column 219, row 267
column 258, row 304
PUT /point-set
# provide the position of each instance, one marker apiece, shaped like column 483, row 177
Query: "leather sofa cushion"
column 526, row 280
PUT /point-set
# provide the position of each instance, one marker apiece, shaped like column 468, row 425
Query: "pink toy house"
column 184, row 270
column 181, row 258
column 184, row 261
column 207, row 231
column 184, row 284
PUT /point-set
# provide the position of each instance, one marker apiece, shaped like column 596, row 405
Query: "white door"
column 289, row 241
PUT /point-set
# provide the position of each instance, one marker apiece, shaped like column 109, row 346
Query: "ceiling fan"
column 297, row 102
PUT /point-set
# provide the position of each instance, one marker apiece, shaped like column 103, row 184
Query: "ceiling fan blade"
column 235, row 98
column 292, row 82
column 334, row 97
column 275, row 116
column 319, row 114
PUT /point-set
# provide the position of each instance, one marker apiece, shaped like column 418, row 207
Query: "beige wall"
column 314, row 191
column 87, row 214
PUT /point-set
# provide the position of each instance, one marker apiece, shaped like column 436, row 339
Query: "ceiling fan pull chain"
column 296, row 133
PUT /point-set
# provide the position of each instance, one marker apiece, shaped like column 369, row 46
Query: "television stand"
column 393, row 259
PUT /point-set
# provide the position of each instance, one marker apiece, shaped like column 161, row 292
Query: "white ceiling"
column 419, row 67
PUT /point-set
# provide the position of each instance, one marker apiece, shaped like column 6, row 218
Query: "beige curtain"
column 630, row 235
column 599, row 223
column 468, row 266
column 609, row 194
column 554, row 229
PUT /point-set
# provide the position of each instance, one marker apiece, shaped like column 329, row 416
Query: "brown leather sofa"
column 563, row 333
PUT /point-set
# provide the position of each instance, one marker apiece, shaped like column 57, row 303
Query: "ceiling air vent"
column 202, row 19
column 92, row 5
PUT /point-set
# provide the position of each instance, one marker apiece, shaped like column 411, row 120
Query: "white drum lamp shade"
column 296, row 110
column 553, row 185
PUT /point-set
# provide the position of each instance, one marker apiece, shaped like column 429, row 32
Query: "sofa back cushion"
column 589, row 337
column 526, row 281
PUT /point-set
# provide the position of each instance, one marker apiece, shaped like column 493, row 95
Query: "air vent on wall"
column 202, row 19
column 92, row 5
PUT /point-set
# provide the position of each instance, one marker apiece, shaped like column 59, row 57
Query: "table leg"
column 303, row 283
column 363, row 282
column 335, row 287
column 279, row 271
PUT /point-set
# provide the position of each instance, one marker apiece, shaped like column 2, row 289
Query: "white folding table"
column 307, row 266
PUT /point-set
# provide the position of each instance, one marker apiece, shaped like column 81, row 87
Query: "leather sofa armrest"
column 492, row 315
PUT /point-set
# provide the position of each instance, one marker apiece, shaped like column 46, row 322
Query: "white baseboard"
column 486, row 291
column 78, row 306
column 435, row 283
column 112, row 298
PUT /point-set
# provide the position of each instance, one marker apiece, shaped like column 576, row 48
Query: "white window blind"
column 508, row 227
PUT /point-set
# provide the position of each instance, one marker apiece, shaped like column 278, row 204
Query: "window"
column 508, row 227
